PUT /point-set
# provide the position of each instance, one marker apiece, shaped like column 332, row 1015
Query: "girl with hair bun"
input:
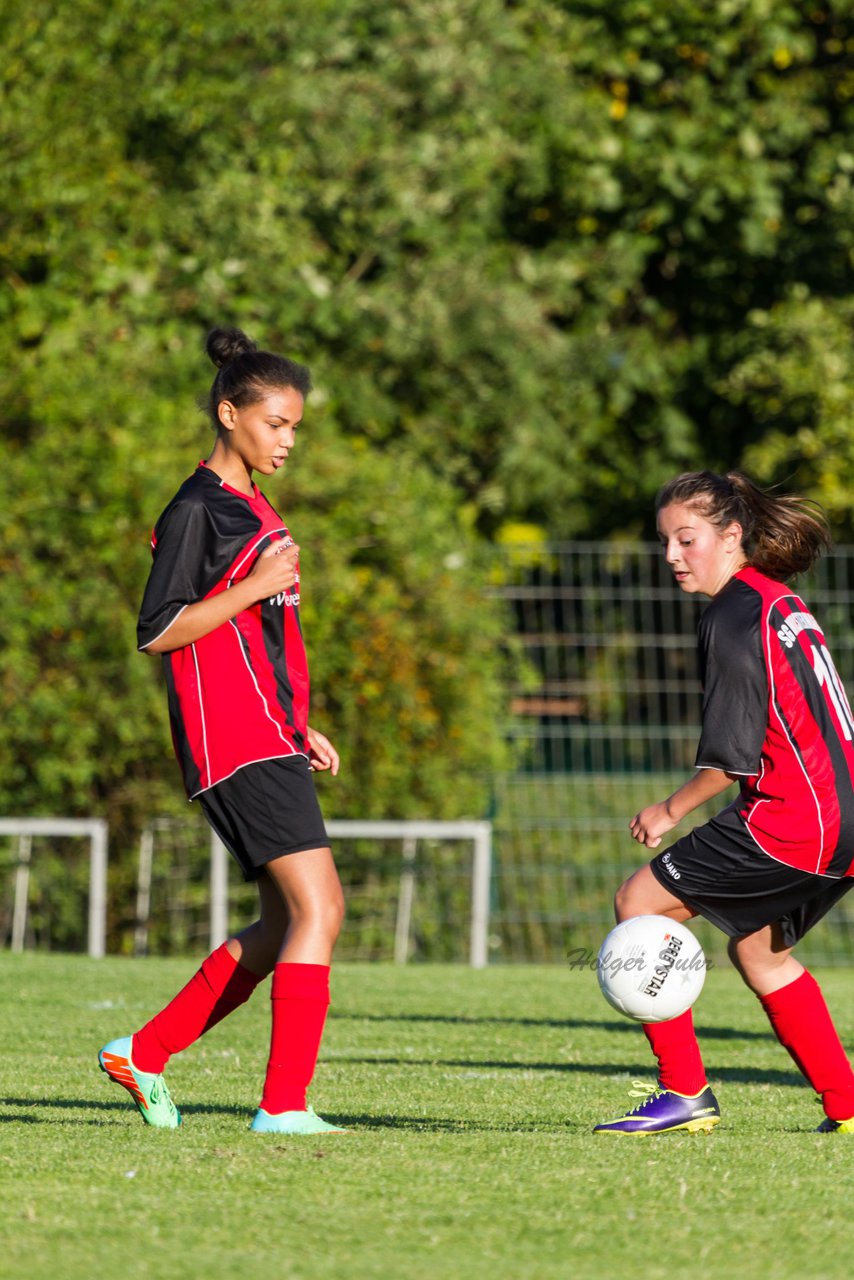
column 776, row 720
column 222, row 609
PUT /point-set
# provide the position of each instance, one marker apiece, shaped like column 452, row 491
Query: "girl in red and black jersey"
column 222, row 608
column 776, row 719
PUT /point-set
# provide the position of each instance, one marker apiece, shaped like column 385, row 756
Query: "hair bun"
column 223, row 345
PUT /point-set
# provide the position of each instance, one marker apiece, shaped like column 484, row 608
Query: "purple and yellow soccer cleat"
column 836, row 1126
column 663, row 1111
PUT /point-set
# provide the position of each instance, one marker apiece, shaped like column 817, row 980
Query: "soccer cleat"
column 148, row 1091
column 663, row 1111
column 836, row 1126
column 295, row 1122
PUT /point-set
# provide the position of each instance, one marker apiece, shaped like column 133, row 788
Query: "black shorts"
column 266, row 810
column 718, row 871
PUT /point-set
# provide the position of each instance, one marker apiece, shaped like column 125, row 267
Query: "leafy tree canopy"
column 538, row 255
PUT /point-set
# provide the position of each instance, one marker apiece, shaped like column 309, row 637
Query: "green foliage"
column 796, row 377
column 523, row 248
column 409, row 652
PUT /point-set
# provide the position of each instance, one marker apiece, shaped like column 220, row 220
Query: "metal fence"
column 415, row 890
column 607, row 721
column 612, row 643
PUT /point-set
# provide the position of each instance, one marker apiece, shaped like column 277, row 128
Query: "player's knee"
column 751, row 962
column 325, row 916
column 336, row 912
column 626, row 903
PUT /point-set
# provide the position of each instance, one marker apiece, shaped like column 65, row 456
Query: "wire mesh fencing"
column 412, row 893
column 605, row 722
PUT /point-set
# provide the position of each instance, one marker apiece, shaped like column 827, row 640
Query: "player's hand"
column 275, row 570
column 321, row 753
column 648, row 826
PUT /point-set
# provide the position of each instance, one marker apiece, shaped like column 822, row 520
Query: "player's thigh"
column 308, row 884
column 644, row 895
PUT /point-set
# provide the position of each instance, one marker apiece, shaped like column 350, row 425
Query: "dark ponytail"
column 782, row 535
column 246, row 374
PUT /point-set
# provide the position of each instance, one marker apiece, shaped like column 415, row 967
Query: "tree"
column 523, row 248
column 796, row 378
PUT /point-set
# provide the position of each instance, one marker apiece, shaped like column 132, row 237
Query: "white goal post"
column 479, row 833
column 96, row 831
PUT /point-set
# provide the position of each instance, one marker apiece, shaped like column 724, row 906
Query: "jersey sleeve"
column 180, row 570
column 735, row 684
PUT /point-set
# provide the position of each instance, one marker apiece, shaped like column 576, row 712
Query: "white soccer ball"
column 651, row 968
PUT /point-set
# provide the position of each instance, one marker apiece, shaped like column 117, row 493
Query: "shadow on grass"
column 635, row 1070
column 424, row 1124
column 362, row 1121
column 432, row 1124
column 63, row 1103
column 567, row 1024
column 87, row 1104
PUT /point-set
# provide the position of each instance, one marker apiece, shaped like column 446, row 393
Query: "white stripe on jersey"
column 201, row 711
column 264, row 703
column 769, row 631
column 251, row 551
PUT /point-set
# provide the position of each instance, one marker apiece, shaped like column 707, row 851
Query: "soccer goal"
column 29, row 829
column 415, row 890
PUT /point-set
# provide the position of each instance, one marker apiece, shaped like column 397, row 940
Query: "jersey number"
column 828, row 678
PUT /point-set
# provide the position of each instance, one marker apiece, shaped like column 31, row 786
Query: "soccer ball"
column 651, row 968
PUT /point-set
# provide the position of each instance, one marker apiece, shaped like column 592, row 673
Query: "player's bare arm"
column 275, row 571
column 648, row 826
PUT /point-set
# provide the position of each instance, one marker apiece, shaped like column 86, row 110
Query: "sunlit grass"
column 470, row 1097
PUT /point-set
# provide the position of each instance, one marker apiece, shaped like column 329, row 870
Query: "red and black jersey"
column 775, row 712
column 240, row 693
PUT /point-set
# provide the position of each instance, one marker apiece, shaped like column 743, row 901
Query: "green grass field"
column 471, row 1096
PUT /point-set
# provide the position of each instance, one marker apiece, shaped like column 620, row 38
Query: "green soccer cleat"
column 664, row 1111
column 836, row 1126
column 294, row 1122
column 148, row 1091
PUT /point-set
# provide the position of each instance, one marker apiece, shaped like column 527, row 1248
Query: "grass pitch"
column 471, row 1096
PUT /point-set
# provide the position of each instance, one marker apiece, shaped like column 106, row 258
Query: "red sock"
column 803, row 1025
column 217, row 989
column 680, row 1066
column 300, row 999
